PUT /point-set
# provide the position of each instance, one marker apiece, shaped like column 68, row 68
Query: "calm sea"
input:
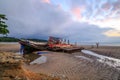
column 101, row 43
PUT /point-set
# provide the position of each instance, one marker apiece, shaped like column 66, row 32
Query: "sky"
column 76, row 20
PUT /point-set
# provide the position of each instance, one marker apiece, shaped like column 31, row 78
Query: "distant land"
column 12, row 39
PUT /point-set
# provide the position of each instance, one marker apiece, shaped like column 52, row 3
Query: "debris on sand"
column 11, row 69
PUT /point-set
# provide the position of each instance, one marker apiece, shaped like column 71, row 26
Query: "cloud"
column 112, row 33
column 116, row 5
column 93, row 9
column 41, row 18
column 109, row 22
column 46, row 1
column 76, row 11
column 103, row 13
column 85, row 32
column 33, row 16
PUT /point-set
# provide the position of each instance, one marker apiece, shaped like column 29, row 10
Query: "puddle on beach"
column 40, row 60
column 104, row 59
column 42, row 52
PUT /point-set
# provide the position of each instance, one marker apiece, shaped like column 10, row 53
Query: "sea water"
column 100, row 43
column 114, row 62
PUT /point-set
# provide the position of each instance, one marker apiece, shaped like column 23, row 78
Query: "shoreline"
column 112, row 51
column 100, row 44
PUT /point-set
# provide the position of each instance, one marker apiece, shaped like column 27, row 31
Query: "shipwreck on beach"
column 53, row 44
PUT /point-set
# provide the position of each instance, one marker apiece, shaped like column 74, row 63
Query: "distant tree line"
column 8, row 39
column 12, row 39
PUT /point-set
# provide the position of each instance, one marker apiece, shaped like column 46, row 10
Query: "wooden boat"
column 30, row 46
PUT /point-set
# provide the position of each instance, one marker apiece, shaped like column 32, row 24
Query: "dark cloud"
column 85, row 32
column 33, row 16
column 37, row 19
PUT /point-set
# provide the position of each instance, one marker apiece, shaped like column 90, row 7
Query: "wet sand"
column 74, row 68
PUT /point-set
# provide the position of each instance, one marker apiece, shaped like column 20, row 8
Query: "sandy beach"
column 9, row 47
column 75, row 66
